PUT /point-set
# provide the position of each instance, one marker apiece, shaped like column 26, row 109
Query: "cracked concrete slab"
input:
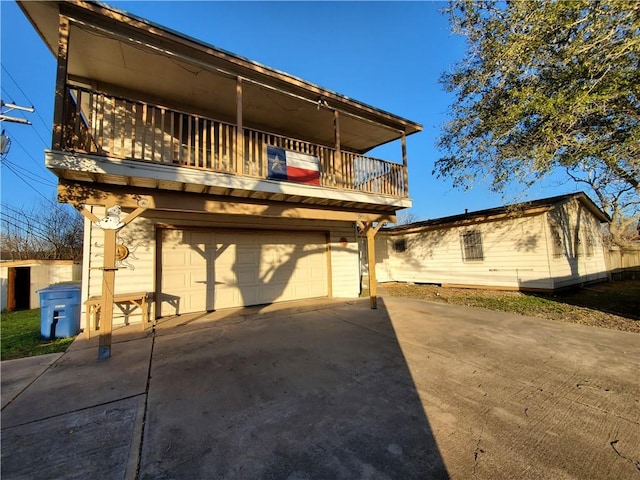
column 77, row 380
column 335, row 390
column 17, row 375
column 96, row 442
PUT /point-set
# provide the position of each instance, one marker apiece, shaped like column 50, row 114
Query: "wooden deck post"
column 239, row 129
column 109, row 279
column 61, row 84
column 337, row 163
column 404, row 164
column 370, row 231
column 108, row 286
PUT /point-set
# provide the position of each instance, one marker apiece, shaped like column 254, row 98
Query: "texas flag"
column 292, row 166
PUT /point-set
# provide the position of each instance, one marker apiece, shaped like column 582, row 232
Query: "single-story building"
column 20, row 280
column 542, row 245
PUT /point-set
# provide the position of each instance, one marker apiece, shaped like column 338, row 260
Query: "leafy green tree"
column 548, row 86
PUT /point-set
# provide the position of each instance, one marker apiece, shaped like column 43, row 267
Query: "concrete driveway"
column 331, row 390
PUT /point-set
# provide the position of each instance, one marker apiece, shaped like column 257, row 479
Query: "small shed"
column 20, row 280
column 542, row 245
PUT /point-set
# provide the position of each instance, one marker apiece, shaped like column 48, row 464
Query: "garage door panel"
column 246, row 275
column 213, row 270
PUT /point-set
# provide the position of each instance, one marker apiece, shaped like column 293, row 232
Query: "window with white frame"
column 471, row 242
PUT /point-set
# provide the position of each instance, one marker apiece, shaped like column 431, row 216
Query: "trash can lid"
column 58, row 288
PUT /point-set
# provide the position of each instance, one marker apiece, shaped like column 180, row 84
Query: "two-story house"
column 251, row 185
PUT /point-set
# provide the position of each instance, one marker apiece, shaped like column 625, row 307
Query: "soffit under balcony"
column 113, row 49
column 98, row 175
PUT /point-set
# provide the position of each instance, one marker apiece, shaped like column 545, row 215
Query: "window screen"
column 472, row 246
column 557, row 245
column 400, row 245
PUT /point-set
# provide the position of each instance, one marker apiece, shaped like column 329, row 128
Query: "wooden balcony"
column 113, row 127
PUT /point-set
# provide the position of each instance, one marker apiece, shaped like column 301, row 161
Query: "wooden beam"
column 87, row 213
column 371, row 259
column 371, row 232
column 405, row 170
column 108, row 286
column 108, row 278
column 377, row 228
column 240, row 130
column 337, row 164
column 61, row 84
column 136, row 213
column 128, row 197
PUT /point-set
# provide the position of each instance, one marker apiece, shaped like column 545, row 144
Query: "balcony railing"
column 121, row 128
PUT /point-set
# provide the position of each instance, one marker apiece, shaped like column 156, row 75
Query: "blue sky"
column 387, row 54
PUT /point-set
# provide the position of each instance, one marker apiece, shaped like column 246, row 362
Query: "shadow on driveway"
column 320, row 394
column 288, row 393
column 331, row 390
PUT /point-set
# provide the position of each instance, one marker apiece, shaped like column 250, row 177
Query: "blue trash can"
column 60, row 311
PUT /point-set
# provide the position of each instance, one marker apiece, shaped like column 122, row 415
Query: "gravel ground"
column 614, row 305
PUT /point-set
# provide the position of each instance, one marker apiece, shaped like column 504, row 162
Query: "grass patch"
column 614, row 305
column 20, row 336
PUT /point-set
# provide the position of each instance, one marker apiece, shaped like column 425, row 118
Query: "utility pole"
column 5, row 142
column 11, row 107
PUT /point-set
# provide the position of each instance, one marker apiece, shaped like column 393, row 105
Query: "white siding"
column 135, row 273
column 345, row 267
column 4, row 285
column 138, row 273
column 518, row 253
column 515, row 256
column 43, row 273
column 576, row 261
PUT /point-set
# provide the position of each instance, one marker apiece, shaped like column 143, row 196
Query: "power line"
column 25, row 95
column 28, row 230
column 21, row 213
column 32, row 225
column 32, row 176
column 29, row 154
column 44, row 142
column 17, row 174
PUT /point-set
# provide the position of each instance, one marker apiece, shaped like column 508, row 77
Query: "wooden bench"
column 127, row 302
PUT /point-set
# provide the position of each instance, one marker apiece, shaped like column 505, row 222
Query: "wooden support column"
column 108, row 286
column 370, row 232
column 108, row 280
column 61, row 84
column 337, row 164
column 239, row 129
column 404, row 164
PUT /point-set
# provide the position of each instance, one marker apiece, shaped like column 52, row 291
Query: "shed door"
column 207, row 270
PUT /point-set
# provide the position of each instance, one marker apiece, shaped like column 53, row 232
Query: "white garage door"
column 209, row 270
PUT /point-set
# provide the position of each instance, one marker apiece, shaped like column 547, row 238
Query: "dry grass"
column 613, row 305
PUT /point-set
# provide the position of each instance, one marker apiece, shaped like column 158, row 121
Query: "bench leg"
column 87, row 328
column 145, row 314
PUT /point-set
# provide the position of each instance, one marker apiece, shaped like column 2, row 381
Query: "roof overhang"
column 526, row 209
column 117, row 52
